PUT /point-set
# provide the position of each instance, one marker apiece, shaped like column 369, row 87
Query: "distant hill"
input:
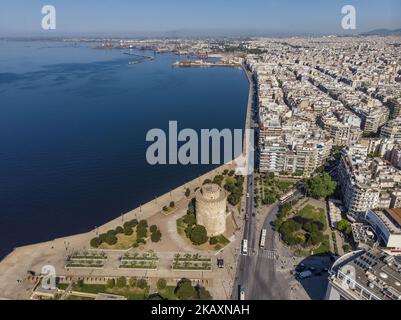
column 382, row 32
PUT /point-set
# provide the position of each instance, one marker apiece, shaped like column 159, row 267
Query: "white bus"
column 263, row 238
column 242, row 294
column 287, row 196
column 245, row 247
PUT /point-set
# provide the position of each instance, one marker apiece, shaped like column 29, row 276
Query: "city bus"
column 242, row 293
column 288, row 196
column 245, row 247
column 263, row 238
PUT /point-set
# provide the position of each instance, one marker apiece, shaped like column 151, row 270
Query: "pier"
column 143, row 58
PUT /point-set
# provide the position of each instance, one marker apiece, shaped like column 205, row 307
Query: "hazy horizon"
column 179, row 18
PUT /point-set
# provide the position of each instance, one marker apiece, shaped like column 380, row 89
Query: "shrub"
column 213, row 240
column 199, row 235
column 153, row 228
column 135, row 245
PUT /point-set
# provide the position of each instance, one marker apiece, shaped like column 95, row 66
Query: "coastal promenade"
column 15, row 268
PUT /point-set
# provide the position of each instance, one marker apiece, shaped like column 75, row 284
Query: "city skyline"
column 177, row 18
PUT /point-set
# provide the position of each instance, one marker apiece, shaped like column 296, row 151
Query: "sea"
column 73, row 125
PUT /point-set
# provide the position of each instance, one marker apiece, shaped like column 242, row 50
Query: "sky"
column 196, row 17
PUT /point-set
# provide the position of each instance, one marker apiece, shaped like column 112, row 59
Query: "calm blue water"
column 73, row 122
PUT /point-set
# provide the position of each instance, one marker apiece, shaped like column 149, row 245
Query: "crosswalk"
column 260, row 253
column 268, row 254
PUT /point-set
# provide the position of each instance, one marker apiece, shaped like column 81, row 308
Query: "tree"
column 153, row 228
column 269, row 199
column 143, row 223
column 156, row 236
column 316, row 237
column 141, row 232
column 132, row 282
column 218, row 180
column 190, row 219
column 203, row 294
column 321, row 186
column 142, row 284
column 110, row 238
column 172, row 204
column 213, row 240
column 188, row 231
column 185, row 290
column 130, row 224
column 191, row 210
column 233, row 199
column 199, row 235
column 344, row 226
column 310, row 227
column 207, row 181
column 128, row 231
column 187, row 193
column 289, row 226
column 110, row 283
column 121, row 282
column 119, row 229
column 161, row 284
column 95, row 242
column 285, row 209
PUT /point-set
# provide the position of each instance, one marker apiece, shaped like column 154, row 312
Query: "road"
column 256, row 272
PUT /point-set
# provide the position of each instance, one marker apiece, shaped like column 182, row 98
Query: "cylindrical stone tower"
column 211, row 204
